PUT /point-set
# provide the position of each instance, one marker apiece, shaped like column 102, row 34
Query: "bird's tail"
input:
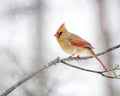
column 95, row 56
column 103, row 65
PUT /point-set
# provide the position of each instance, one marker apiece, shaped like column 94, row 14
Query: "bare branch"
column 58, row 60
column 93, row 71
column 9, row 90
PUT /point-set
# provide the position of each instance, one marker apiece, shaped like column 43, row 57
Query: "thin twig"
column 93, row 71
column 9, row 90
column 57, row 60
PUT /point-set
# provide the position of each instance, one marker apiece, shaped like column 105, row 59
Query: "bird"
column 74, row 44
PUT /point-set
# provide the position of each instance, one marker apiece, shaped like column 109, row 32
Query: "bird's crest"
column 62, row 26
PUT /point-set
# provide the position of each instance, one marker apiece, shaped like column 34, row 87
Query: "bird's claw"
column 71, row 57
column 78, row 57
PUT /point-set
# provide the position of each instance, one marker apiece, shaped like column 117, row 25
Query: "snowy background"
column 27, row 43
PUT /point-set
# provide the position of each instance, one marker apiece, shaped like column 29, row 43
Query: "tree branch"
column 9, row 90
column 93, row 71
column 58, row 60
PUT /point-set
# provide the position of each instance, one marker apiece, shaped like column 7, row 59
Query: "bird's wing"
column 79, row 42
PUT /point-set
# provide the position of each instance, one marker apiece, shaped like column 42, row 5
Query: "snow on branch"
column 63, row 61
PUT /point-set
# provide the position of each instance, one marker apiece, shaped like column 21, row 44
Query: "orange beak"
column 56, row 35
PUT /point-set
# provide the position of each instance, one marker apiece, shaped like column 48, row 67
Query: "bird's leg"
column 71, row 56
column 78, row 56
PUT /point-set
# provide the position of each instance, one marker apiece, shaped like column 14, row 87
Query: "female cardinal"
column 73, row 44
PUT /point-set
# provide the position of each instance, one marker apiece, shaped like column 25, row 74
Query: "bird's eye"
column 60, row 33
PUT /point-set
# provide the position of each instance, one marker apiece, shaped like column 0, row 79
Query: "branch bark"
column 58, row 60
